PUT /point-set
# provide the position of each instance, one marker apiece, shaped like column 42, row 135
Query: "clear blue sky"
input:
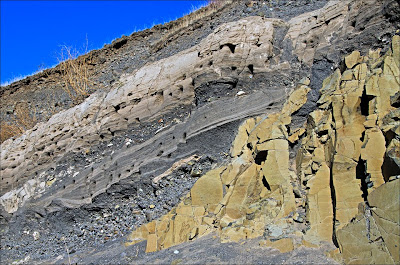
column 33, row 31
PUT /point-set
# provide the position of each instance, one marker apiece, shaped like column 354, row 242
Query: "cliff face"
column 261, row 130
column 338, row 172
column 42, row 95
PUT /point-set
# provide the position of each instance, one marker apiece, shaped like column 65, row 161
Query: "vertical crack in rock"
column 344, row 134
column 363, row 176
column 333, row 192
column 265, row 183
column 240, row 199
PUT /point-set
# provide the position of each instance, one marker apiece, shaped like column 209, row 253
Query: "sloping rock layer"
column 335, row 175
column 278, row 129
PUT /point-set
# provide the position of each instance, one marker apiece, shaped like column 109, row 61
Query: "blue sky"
column 32, row 32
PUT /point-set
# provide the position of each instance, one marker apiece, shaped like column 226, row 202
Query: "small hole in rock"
column 230, row 46
column 251, row 68
column 261, row 157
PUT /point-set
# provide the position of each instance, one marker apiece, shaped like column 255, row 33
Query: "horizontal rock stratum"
column 268, row 129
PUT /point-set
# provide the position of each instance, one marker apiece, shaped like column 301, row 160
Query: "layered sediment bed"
column 237, row 136
column 315, row 196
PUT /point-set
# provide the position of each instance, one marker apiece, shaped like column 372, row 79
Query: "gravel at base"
column 205, row 250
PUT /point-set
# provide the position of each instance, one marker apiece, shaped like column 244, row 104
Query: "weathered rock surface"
column 43, row 94
column 373, row 236
column 307, row 154
column 242, row 199
column 146, row 96
column 338, row 165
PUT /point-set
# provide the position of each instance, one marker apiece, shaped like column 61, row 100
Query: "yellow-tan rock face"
column 343, row 171
column 373, row 236
column 238, row 200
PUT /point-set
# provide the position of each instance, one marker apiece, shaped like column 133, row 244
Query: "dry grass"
column 195, row 15
column 75, row 71
column 217, row 3
column 75, row 74
column 23, row 120
column 8, row 130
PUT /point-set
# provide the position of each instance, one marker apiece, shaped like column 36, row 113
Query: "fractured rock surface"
column 373, row 236
column 146, row 96
column 260, row 194
column 241, row 199
column 307, row 158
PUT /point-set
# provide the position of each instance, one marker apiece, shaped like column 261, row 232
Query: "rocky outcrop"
column 241, row 199
column 358, row 25
column 348, row 143
column 42, row 95
column 300, row 170
column 218, row 68
column 145, row 96
column 337, row 170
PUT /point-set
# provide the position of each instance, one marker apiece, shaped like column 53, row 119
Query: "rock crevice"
column 263, row 192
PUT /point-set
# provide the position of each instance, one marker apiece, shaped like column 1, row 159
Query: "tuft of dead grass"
column 8, row 130
column 180, row 24
column 23, row 120
column 75, row 74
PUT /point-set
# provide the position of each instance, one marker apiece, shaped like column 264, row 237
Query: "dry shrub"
column 77, row 83
column 75, row 74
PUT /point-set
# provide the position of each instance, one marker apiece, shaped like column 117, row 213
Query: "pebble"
column 176, row 251
column 240, row 93
column 116, row 218
column 36, row 235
